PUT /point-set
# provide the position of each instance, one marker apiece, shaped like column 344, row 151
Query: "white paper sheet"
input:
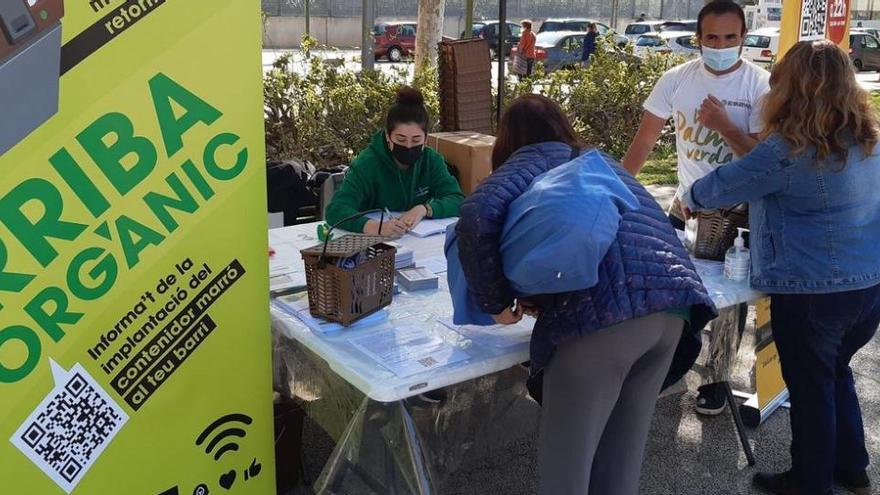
column 298, row 305
column 497, row 336
column 408, row 350
column 425, row 228
column 436, row 264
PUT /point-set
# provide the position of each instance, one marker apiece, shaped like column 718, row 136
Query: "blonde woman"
column 812, row 186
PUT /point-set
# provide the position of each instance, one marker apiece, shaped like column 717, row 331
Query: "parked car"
column 687, row 25
column 864, row 51
column 394, row 40
column 761, row 46
column 558, row 49
column 488, row 30
column 872, row 31
column 636, row 29
column 580, row 25
column 679, row 42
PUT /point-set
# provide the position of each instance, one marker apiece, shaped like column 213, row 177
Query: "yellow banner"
column 812, row 20
column 134, row 343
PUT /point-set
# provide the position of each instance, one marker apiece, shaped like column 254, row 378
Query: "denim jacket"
column 814, row 229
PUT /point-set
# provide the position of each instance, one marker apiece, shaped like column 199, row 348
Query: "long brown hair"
column 815, row 100
column 531, row 119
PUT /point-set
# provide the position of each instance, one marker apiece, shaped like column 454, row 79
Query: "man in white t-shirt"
column 714, row 105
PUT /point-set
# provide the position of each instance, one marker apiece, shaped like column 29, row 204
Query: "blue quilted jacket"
column 646, row 270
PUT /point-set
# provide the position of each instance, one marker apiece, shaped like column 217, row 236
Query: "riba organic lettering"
column 100, row 242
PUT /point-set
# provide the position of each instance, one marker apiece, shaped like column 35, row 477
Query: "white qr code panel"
column 70, row 428
column 814, row 16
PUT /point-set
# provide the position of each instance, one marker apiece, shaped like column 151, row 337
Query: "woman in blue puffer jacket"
column 603, row 352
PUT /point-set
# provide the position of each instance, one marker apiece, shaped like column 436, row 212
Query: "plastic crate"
column 346, row 294
column 716, row 231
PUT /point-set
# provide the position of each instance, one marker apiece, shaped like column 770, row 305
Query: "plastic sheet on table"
column 412, row 447
column 407, row 446
column 325, row 397
column 724, row 292
column 345, row 354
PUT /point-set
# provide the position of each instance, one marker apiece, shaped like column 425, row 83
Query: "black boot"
column 778, row 483
column 858, row 483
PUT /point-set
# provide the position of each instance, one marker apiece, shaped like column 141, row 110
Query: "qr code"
column 70, row 428
column 813, row 19
column 428, row 362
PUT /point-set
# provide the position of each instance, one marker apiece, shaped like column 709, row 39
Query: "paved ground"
column 687, row 454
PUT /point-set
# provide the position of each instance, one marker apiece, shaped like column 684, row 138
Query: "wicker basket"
column 716, row 231
column 347, row 295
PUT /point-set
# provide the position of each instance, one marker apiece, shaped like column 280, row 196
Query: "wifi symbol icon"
column 222, row 434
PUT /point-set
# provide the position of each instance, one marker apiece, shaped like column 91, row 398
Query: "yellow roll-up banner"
column 134, row 334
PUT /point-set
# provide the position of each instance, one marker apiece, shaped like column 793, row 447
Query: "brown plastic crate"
column 347, row 295
column 716, row 231
column 465, row 85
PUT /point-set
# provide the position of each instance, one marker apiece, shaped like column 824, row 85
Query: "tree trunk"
column 429, row 32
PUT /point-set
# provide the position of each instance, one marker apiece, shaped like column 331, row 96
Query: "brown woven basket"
column 716, row 231
column 347, row 295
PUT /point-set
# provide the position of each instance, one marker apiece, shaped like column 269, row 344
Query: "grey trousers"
column 600, row 391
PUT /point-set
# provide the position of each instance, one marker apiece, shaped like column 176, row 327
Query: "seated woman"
column 399, row 172
column 812, row 187
column 605, row 350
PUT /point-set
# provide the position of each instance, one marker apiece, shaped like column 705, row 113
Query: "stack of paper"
column 413, row 279
column 286, row 269
column 297, row 305
column 404, row 256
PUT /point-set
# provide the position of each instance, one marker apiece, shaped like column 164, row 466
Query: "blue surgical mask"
column 720, row 59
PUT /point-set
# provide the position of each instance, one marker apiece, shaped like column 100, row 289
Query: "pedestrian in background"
column 589, row 43
column 526, row 47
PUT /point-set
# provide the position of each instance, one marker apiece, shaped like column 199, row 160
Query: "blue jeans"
column 817, row 336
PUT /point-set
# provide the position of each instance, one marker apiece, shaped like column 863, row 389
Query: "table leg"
column 740, row 427
column 380, row 452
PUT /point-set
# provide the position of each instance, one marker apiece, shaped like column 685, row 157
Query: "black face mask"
column 407, row 156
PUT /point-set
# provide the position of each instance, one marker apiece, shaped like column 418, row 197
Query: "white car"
column 637, row 29
column 678, row 42
column 761, row 46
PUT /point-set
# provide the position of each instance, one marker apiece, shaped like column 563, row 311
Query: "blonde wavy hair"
column 815, row 100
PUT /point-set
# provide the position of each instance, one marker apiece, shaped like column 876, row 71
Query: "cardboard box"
column 469, row 152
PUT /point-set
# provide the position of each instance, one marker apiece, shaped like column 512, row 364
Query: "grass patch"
column 660, row 171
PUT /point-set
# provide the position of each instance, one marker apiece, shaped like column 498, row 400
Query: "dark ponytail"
column 408, row 109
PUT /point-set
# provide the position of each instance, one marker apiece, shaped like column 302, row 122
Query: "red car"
column 394, row 40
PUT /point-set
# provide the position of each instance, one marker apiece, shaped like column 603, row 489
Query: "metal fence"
column 488, row 9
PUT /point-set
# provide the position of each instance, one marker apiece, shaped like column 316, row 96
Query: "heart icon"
column 227, row 480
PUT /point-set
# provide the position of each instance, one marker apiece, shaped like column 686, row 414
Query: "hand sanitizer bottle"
column 736, row 261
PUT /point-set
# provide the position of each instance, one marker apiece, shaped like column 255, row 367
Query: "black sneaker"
column 778, row 483
column 858, row 483
column 712, row 399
